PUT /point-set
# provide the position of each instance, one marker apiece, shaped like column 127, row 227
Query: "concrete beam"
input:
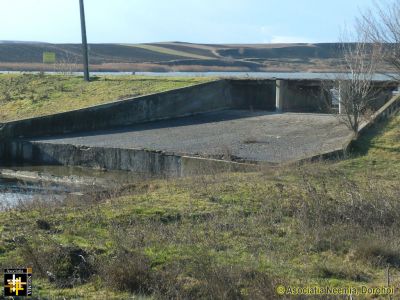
column 280, row 94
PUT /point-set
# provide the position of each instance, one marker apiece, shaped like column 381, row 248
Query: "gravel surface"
column 239, row 134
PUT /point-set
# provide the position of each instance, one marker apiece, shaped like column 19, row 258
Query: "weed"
column 127, row 271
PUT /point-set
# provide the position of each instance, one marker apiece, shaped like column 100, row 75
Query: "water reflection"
column 13, row 191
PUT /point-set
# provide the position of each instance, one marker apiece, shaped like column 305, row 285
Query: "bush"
column 203, row 278
column 379, row 252
column 338, row 271
column 127, row 271
column 66, row 266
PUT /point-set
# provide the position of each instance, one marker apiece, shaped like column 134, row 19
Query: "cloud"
column 281, row 39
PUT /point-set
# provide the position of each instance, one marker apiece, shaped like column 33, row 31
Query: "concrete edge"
column 385, row 112
column 141, row 161
column 205, row 166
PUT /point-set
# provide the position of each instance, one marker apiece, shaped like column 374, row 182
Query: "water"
column 255, row 75
column 14, row 191
column 27, row 182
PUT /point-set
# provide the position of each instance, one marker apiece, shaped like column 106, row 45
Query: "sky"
column 195, row 21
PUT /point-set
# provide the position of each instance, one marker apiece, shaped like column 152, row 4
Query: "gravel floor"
column 257, row 135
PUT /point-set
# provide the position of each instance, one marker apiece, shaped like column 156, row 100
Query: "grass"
column 221, row 236
column 30, row 95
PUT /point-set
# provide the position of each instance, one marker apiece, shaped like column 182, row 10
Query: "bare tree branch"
column 381, row 26
column 353, row 86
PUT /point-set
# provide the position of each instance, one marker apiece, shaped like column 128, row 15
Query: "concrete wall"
column 217, row 95
column 381, row 98
column 294, row 96
column 147, row 162
column 180, row 102
column 253, row 94
column 388, row 110
column 303, row 96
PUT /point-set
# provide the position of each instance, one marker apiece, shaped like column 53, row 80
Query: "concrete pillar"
column 340, row 101
column 280, row 94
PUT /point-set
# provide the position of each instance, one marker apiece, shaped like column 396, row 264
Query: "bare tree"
column 67, row 64
column 353, row 87
column 381, row 26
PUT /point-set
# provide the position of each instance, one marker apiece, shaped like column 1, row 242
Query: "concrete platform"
column 238, row 135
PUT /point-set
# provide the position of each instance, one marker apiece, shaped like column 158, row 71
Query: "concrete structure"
column 176, row 103
column 280, row 94
column 220, row 125
column 140, row 161
column 210, row 142
column 388, row 110
column 235, row 135
column 253, row 94
column 286, row 96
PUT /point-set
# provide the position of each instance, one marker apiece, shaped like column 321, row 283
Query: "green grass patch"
column 32, row 95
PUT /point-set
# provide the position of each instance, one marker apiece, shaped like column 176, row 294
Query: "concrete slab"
column 238, row 134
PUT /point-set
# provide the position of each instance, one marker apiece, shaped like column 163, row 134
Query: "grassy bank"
column 30, row 95
column 231, row 236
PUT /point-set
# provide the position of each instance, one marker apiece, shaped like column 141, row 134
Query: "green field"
column 32, row 95
column 230, row 236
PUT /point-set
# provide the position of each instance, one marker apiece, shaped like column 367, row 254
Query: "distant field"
column 172, row 56
column 202, row 50
column 25, row 96
column 170, row 51
column 71, row 53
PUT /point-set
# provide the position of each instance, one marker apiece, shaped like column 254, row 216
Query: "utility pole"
column 84, row 43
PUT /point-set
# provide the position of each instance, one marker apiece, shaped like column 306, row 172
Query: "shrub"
column 379, row 252
column 66, row 266
column 340, row 271
column 127, row 271
column 203, row 278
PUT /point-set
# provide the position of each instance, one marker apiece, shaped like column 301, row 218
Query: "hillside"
column 172, row 56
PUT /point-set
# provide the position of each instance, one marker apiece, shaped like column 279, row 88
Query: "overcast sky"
column 197, row 21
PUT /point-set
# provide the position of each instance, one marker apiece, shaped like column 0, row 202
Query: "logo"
column 280, row 290
column 18, row 282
